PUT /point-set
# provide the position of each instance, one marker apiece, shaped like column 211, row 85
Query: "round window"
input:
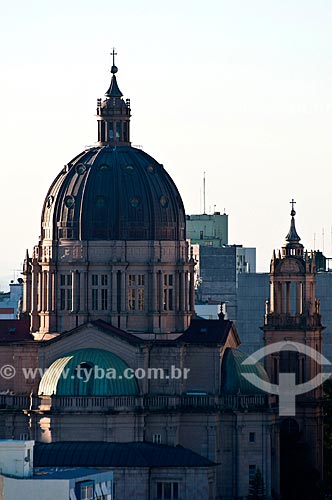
column 80, row 168
column 151, row 169
column 69, row 201
column 135, row 201
column 100, row 201
column 129, row 169
column 50, row 200
column 164, row 202
column 104, row 167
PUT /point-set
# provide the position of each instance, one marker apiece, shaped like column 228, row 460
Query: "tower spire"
column 292, row 235
column 293, row 245
column 114, row 90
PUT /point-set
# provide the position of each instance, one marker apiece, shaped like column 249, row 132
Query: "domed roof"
column 232, row 369
column 80, row 373
column 113, row 193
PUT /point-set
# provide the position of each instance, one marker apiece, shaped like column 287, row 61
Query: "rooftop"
column 63, row 472
column 102, row 454
column 15, row 330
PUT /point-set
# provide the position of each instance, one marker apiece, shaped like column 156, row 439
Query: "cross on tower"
column 113, row 54
column 293, row 202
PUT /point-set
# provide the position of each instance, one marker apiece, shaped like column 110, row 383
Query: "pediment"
column 89, row 336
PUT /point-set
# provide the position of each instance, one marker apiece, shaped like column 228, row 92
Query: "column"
column 114, row 291
column 186, row 291
column 53, row 298
column 192, row 291
column 272, row 297
column 153, row 291
column 34, row 304
column 177, row 291
column 39, row 307
column 280, row 298
column 299, row 298
column 86, row 292
column 161, row 291
column 123, row 292
column 49, row 292
column 44, row 290
column 82, row 291
column 73, row 292
column 118, row 291
column 34, row 307
column 288, row 297
column 182, row 291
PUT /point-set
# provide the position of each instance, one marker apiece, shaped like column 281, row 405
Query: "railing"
column 292, row 321
column 95, row 403
column 160, row 402
column 17, row 401
column 132, row 403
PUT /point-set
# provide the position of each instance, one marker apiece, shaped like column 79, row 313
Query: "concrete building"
column 252, row 293
column 20, row 479
column 103, row 471
column 219, row 271
column 218, row 264
column 11, row 302
column 141, row 470
column 208, row 229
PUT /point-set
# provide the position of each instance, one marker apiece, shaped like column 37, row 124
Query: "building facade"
column 11, row 302
column 208, row 229
column 219, row 270
column 293, row 315
column 110, row 286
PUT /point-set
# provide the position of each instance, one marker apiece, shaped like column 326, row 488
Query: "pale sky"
column 236, row 88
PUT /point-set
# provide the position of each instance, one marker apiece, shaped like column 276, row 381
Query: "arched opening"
column 298, row 478
column 84, row 374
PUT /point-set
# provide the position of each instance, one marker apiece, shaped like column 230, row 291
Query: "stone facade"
column 293, row 315
column 112, row 275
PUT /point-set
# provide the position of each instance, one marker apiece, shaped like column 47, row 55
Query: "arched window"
column 84, row 379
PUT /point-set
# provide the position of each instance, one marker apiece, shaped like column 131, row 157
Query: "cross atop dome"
column 293, row 202
column 114, row 69
column 114, row 90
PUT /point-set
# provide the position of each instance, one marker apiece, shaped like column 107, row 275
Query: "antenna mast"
column 204, row 194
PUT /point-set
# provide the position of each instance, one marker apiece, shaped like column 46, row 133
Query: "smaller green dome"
column 88, row 372
column 232, row 369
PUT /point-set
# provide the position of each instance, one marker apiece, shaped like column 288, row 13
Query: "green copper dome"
column 88, row 372
column 232, row 368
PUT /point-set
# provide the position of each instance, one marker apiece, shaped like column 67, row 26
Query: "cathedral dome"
column 113, row 244
column 113, row 193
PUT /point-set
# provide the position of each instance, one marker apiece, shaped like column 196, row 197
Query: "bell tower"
column 292, row 314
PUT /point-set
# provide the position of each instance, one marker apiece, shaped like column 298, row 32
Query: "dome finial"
column 292, row 235
column 293, row 202
column 114, row 68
